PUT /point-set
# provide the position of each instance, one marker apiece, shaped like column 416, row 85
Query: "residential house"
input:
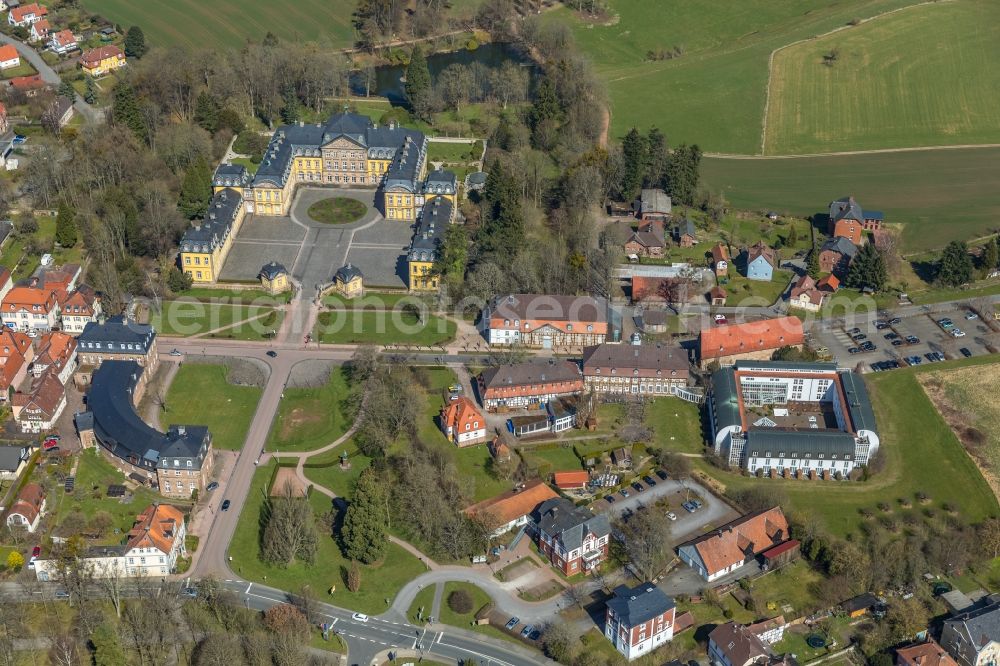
column 848, row 220
column 805, row 295
column 622, row 457
column 25, row 15
column 972, row 638
column 178, row 462
column 513, row 508
column 571, row 480
column 860, row 605
column 9, row 57
column 102, row 60
column 685, row 234
column 645, row 369
column 654, row 205
column 151, row 549
column 37, row 410
column 28, row 309
column 732, row 644
column 62, row 42
column 546, row 321
column 572, row 538
column 726, row 549
column 527, row 384
column 462, row 423
column 828, row 284
column 349, row 281
column 499, row 450
column 654, row 321
column 29, row 507
column 836, row 255
column 781, row 554
column 720, row 260
column 16, row 353
column 205, row 245
column 274, row 278
column 56, row 354
column 928, row 653
column 39, row 31
column 61, row 109
column 29, row 85
column 717, row 296
column 646, row 243
column 756, row 340
column 13, row 460
column 116, row 339
column 638, row 620
column 79, row 308
column 769, row 631
column 761, row 262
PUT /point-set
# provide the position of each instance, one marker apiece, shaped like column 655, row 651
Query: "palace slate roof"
column 114, row 335
column 429, row 234
column 649, row 360
column 212, row 231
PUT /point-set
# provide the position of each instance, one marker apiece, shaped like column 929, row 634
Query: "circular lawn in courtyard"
column 337, row 210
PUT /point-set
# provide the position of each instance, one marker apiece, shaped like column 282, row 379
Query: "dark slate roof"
column 434, row 220
column 788, row 366
column 530, row 372
column 799, row 443
column 651, row 238
column 476, row 178
column 231, row 175
column 846, row 207
column 979, row 626
column 114, row 333
column 654, row 201
column 725, row 399
column 647, row 360
column 561, row 517
column 440, row 181
column 874, row 215
column 408, row 160
column 120, row 430
column 287, row 140
column 840, row 245
column 10, row 457
column 352, row 125
column 209, row 233
column 347, row 273
column 687, row 228
column 272, row 270
column 859, row 405
column 861, row 602
column 639, row 604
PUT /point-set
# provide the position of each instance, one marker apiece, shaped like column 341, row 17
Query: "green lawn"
column 465, row 621
column 549, row 460
column 712, row 95
column 250, row 165
column 921, row 454
column 24, row 69
column 93, row 476
column 235, row 296
column 310, row 418
column 925, row 76
column 745, row 292
column 265, row 327
column 382, row 328
column 325, row 470
column 184, row 317
column 424, row 600
column 337, row 210
column 200, row 395
column 676, row 424
column 372, row 300
column 229, row 23
column 449, row 152
column 378, row 583
column 916, row 190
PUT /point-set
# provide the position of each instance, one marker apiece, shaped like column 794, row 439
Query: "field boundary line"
column 845, row 153
column 770, row 61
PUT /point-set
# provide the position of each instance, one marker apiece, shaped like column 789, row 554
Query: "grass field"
column 230, row 23
column 421, row 605
column 378, row 582
column 918, row 190
column 193, row 318
column 325, row 470
column 200, row 395
column 924, row 76
column 309, row 418
column 676, row 424
column 337, row 210
column 382, row 328
column 921, row 455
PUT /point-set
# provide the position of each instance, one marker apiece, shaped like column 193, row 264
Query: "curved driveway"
column 49, row 75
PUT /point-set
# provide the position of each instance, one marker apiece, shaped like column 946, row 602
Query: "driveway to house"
column 49, row 75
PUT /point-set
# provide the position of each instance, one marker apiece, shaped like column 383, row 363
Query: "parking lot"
column 917, row 335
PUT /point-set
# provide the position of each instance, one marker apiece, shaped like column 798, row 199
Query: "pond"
column 389, row 78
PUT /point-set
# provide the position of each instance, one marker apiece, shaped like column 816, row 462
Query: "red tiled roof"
column 93, row 57
column 457, row 413
column 45, row 395
column 41, row 28
column 8, row 52
column 24, row 298
column 780, row 548
column 830, row 282
column 924, row 654
column 55, row 349
column 719, row 253
column 80, row 302
column 513, row 504
column 64, row 37
column 734, row 339
column 18, row 13
column 733, row 543
column 27, row 82
column 574, row 479
column 29, row 502
column 156, row 527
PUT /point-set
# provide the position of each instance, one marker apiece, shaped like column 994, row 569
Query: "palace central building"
column 792, row 419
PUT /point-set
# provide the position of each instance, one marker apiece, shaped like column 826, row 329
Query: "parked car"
column 671, row 515
column 891, row 336
column 225, row 505
column 946, row 323
column 62, row 594
column 913, row 340
column 854, row 331
column 638, row 487
column 455, row 388
column 212, row 486
column 881, row 325
column 359, row 617
column 624, row 493
column 527, row 630
column 720, row 319
column 662, row 474
column 191, row 592
column 689, row 507
column 697, row 503
column 650, row 481
column 512, row 622
column 50, row 444
column 895, row 320
column 853, row 350
column 970, row 315
column 957, row 333
column 965, row 352
column 36, row 551
column 897, row 343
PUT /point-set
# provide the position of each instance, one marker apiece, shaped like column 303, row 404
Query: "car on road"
column 671, row 515
column 527, row 630
column 624, row 493
column 650, row 481
column 359, row 617
column 512, row 622
column 662, row 474
column 225, row 505
column 970, row 315
column 212, row 486
column 176, row 352
column 191, row 592
column 272, row 353
column 638, row 487
column 62, row 594
column 957, row 333
column 965, row 352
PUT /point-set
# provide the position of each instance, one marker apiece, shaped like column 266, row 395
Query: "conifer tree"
column 418, row 84
column 135, row 43
column 66, row 225
column 196, row 190
column 365, row 527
